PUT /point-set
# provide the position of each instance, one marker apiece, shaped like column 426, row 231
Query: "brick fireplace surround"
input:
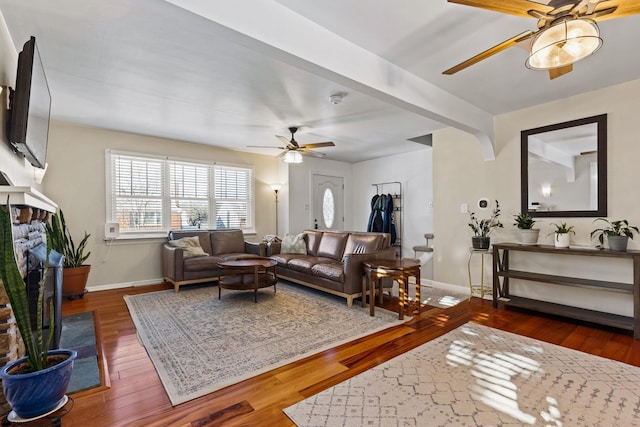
column 29, row 210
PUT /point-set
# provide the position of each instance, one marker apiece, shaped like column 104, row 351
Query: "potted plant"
column 36, row 384
column 528, row 234
column 76, row 272
column 618, row 233
column 482, row 228
column 561, row 235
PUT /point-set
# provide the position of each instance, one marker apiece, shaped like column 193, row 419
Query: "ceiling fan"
column 567, row 30
column 293, row 152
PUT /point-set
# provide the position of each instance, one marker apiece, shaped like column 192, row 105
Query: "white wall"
column 462, row 176
column 414, row 171
column 76, row 181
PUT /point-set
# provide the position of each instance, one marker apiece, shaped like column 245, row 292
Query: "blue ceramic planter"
column 36, row 393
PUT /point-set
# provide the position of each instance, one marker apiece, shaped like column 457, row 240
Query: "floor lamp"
column 276, row 190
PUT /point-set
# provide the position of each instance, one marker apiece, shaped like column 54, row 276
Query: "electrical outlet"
column 464, row 208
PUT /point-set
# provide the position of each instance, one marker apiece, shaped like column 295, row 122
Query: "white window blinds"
column 148, row 194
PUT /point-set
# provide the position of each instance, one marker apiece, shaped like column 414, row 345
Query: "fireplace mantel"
column 26, row 196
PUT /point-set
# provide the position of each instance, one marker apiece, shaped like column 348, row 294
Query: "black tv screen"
column 30, row 107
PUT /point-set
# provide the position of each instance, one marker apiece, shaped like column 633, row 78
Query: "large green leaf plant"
column 60, row 237
column 36, row 344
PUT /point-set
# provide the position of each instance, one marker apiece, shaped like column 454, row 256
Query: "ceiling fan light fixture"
column 292, row 156
column 563, row 44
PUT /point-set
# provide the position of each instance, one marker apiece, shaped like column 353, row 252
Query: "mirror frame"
column 601, row 211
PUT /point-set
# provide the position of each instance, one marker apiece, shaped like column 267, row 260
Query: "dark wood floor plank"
column 137, row 398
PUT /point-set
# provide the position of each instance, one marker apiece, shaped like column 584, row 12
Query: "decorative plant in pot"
column 561, row 238
column 482, row 228
column 618, row 233
column 528, row 234
column 36, row 384
column 75, row 272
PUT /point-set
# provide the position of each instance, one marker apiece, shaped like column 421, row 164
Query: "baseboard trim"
column 442, row 285
column 135, row 284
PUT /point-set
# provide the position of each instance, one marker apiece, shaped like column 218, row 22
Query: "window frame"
column 110, row 157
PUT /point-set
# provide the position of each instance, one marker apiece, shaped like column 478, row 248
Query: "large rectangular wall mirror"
column 564, row 169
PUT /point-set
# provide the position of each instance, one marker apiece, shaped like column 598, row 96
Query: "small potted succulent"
column 561, row 235
column 528, row 234
column 482, row 228
column 618, row 233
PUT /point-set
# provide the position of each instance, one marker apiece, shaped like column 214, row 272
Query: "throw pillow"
column 293, row 244
column 190, row 246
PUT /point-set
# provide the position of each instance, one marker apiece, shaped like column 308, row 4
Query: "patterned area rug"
column 199, row 344
column 480, row 376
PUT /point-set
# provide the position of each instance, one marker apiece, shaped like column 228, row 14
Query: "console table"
column 502, row 273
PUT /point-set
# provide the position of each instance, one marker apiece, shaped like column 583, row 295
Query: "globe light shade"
column 292, row 157
column 564, row 44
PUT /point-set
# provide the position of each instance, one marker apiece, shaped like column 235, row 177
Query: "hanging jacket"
column 388, row 218
column 374, row 199
column 377, row 212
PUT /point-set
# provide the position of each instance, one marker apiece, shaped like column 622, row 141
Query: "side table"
column 399, row 270
column 479, row 288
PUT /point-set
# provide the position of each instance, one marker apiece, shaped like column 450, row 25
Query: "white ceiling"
column 237, row 74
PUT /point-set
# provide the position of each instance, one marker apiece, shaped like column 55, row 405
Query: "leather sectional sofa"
column 218, row 245
column 333, row 260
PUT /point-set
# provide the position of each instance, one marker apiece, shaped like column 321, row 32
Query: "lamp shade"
column 292, row 157
column 564, row 44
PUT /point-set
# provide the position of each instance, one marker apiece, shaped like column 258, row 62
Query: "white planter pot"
column 561, row 240
column 529, row 237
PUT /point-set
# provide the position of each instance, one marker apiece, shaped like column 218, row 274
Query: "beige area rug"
column 199, row 344
column 480, row 376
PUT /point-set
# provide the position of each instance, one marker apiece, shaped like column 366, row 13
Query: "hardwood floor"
column 136, row 397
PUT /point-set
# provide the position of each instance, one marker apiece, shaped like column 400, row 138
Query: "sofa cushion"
column 313, row 239
column 293, row 244
column 236, row 256
column 202, row 263
column 304, row 263
column 332, row 245
column 190, row 246
column 227, row 241
column 331, row 271
column 363, row 243
column 203, row 235
column 283, row 259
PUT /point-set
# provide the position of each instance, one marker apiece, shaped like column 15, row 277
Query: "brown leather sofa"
column 333, row 262
column 220, row 245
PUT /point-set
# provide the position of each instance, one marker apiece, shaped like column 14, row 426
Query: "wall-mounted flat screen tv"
column 30, row 107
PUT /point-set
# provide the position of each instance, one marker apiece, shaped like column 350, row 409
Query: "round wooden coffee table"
column 246, row 274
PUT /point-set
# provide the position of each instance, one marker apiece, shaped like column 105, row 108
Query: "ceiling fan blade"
column 306, row 152
column 599, row 14
column 318, row 145
column 511, row 7
column 285, row 141
column 561, row 71
column 622, row 8
column 282, row 154
column 265, row 146
column 490, row 52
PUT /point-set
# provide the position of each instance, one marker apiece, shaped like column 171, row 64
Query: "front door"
column 328, row 202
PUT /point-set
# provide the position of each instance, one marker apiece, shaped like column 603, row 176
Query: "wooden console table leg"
column 636, row 297
column 418, row 297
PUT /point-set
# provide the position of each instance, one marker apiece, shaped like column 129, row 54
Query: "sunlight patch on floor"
column 494, row 372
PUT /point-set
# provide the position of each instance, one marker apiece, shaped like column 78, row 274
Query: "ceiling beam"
column 268, row 27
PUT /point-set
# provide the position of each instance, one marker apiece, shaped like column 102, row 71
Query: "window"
column 151, row 195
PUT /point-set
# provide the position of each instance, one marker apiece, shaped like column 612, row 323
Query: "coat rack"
column 397, row 208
